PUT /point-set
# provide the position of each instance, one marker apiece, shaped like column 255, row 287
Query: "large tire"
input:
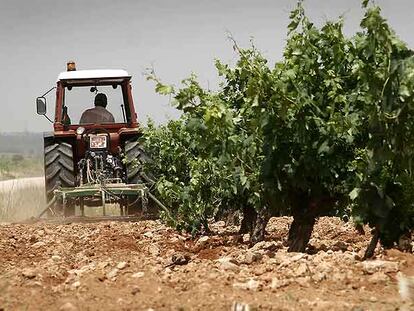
column 59, row 172
column 135, row 158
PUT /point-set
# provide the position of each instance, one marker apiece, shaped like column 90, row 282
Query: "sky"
column 175, row 37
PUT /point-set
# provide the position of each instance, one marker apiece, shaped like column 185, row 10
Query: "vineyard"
column 287, row 186
column 326, row 131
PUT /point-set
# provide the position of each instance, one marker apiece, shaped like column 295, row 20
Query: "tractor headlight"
column 80, row 130
column 98, row 141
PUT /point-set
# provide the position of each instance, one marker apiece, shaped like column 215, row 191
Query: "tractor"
column 93, row 162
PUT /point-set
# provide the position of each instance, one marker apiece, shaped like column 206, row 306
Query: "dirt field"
column 129, row 266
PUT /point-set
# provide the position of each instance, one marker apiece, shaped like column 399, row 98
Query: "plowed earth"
column 146, row 265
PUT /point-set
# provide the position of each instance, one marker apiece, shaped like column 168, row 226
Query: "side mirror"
column 41, row 105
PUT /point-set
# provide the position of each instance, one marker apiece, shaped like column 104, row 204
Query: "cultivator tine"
column 144, row 202
column 49, row 208
column 64, row 203
column 103, row 203
column 82, row 206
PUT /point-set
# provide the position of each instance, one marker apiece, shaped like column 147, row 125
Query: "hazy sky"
column 176, row 37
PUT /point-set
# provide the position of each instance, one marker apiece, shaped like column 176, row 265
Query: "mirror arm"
column 48, row 91
column 48, row 118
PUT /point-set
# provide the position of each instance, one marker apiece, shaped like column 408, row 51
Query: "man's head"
column 101, row 100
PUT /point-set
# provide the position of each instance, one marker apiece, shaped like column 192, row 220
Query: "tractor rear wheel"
column 59, row 172
column 135, row 158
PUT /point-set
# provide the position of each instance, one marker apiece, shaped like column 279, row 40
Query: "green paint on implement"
column 109, row 189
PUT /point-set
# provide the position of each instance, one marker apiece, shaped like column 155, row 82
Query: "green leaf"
column 164, row 89
column 324, row 147
column 354, row 193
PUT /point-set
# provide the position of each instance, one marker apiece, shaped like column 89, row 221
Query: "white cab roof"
column 93, row 74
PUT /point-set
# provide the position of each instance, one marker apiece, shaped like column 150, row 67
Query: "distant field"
column 21, row 158
column 21, row 143
column 19, row 166
column 21, row 199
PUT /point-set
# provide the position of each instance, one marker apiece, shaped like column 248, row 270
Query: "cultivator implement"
column 106, row 194
column 102, row 195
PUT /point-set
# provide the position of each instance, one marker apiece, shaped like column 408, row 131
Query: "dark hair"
column 101, row 100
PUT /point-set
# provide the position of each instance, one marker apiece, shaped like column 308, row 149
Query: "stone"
column 297, row 257
column 246, row 238
column 154, row 250
column 341, row 246
column 56, row 258
column 337, row 277
column 122, row 265
column 103, row 265
column 372, row 266
column 29, row 273
column 278, row 283
column 180, row 259
column 378, row 278
column 268, row 246
column 202, row 241
column 148, row 235
column 301, row 270
column 249, row 285
column 135, row 290
column 287, row 261
column 259, row 270
column 227, row 263
column 38, row 244
column 68, row 307
column 112, row 274
column 319, row 276
column 325, row 267
column 240, row 306
column 75, row 285
column 138, row 275
column 251, row 257
column 303, row 281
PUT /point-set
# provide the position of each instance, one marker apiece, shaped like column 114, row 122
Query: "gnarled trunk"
column 300, row 232
column 259, row 229
column 372, row 245
column 304, row 212
column 249, row 219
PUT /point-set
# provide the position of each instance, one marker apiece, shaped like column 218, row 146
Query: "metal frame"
column 104, row 192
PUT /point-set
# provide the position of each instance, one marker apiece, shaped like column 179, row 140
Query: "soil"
column 149, row 266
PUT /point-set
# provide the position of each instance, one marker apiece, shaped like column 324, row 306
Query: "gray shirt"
column 97, row 115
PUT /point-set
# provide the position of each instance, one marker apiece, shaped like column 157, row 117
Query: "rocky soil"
column 149, row 266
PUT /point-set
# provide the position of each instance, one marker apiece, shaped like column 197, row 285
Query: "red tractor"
column 95, row 160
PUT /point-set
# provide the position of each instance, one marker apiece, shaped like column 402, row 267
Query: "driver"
column 98, row 114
